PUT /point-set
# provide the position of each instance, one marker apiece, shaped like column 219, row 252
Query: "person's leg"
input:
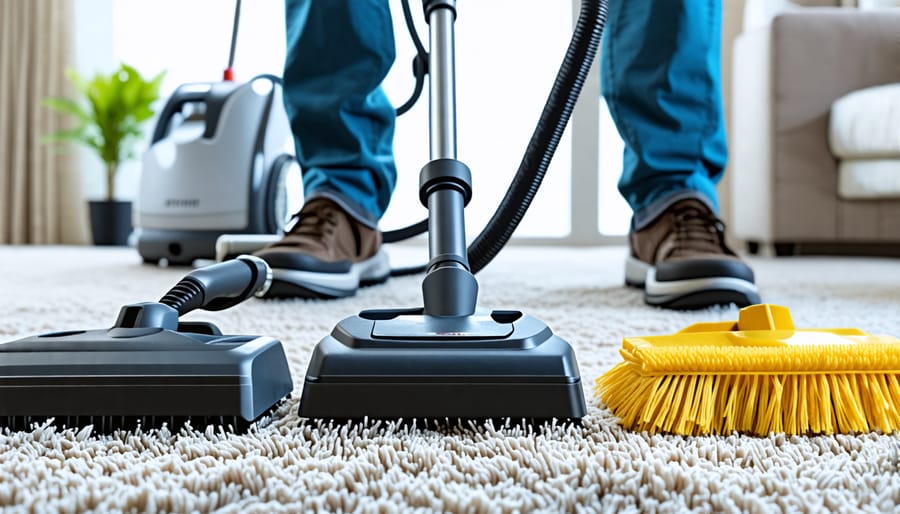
column 338, row 53
column 661, row 80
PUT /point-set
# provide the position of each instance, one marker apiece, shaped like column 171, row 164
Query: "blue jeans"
column 338, row 53
column 660, row 76
column 660, row 68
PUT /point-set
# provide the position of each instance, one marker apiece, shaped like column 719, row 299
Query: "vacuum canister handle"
column 189, row 93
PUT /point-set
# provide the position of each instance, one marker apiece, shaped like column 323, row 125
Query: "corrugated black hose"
column 554, row 118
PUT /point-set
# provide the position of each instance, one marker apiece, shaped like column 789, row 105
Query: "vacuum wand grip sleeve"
column 219, row 286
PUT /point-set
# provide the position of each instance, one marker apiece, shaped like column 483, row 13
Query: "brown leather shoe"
column 326, row 254
column 681, row 261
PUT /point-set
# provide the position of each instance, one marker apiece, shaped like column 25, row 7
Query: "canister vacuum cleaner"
column 221, row 160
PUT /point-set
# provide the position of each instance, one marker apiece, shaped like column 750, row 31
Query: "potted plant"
column 110, row 117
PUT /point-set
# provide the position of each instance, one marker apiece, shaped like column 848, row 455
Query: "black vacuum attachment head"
column 149, row 368
column 389, row 364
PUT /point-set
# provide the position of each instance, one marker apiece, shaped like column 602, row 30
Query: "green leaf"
column 112, row 109
column 100, row 91
column 156, row 82
column 65, row 136
column 66, row 106
column 79, row 136
column 143, row 113
column 131, row 89
column 77, row 80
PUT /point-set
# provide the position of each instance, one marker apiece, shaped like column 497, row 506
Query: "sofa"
column 787, row 78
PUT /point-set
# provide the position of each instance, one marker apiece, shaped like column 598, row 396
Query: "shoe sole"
column 289, row 283
column 695, row 293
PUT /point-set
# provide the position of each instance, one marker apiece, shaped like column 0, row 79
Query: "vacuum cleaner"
column 447, row 359
column 220, row 161
column 450, row 358
column 150, row 368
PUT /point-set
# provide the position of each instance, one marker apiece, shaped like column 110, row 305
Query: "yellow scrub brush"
column 757, row 375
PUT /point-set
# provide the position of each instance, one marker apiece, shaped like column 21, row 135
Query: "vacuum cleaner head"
column 129, row 377
column 390, row 364
column 149, row 368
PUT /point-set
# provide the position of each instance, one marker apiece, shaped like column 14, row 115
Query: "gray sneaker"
column 682, row 262
column 326, row 254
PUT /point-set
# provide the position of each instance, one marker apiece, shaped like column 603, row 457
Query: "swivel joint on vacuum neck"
column 449, row 288
column 445, row 174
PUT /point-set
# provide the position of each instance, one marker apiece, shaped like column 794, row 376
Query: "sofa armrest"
column 815, row 56
column 819, row 55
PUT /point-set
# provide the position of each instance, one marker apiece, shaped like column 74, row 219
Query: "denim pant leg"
column 661, row 79
column 338, row 53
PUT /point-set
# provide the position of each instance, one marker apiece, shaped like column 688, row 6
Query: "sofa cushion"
column 869, row 178
column 866, row 123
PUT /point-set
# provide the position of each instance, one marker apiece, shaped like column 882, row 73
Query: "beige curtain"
column 40, row 188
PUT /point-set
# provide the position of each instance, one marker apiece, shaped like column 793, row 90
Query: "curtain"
column 40, row 186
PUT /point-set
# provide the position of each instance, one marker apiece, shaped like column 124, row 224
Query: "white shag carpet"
column 290, row 465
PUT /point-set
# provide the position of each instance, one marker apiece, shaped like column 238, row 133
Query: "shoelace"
column 697, row 231
column 315, row 223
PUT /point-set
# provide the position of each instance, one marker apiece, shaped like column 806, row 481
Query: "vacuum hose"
column 554, row 118
column 220, row 286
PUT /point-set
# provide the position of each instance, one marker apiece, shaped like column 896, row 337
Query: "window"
column 614, row 213
column 503, row 75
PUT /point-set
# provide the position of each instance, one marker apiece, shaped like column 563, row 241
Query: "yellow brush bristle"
column 720, row 378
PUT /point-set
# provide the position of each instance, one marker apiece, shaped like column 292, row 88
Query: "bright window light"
column 190, row 39
column 614, row 213
column 505, row 66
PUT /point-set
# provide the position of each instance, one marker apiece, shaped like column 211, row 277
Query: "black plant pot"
column 111, row 222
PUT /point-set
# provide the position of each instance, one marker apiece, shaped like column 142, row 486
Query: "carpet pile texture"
column 289, row 464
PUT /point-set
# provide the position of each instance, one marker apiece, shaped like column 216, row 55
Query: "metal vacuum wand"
column 445, row 184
